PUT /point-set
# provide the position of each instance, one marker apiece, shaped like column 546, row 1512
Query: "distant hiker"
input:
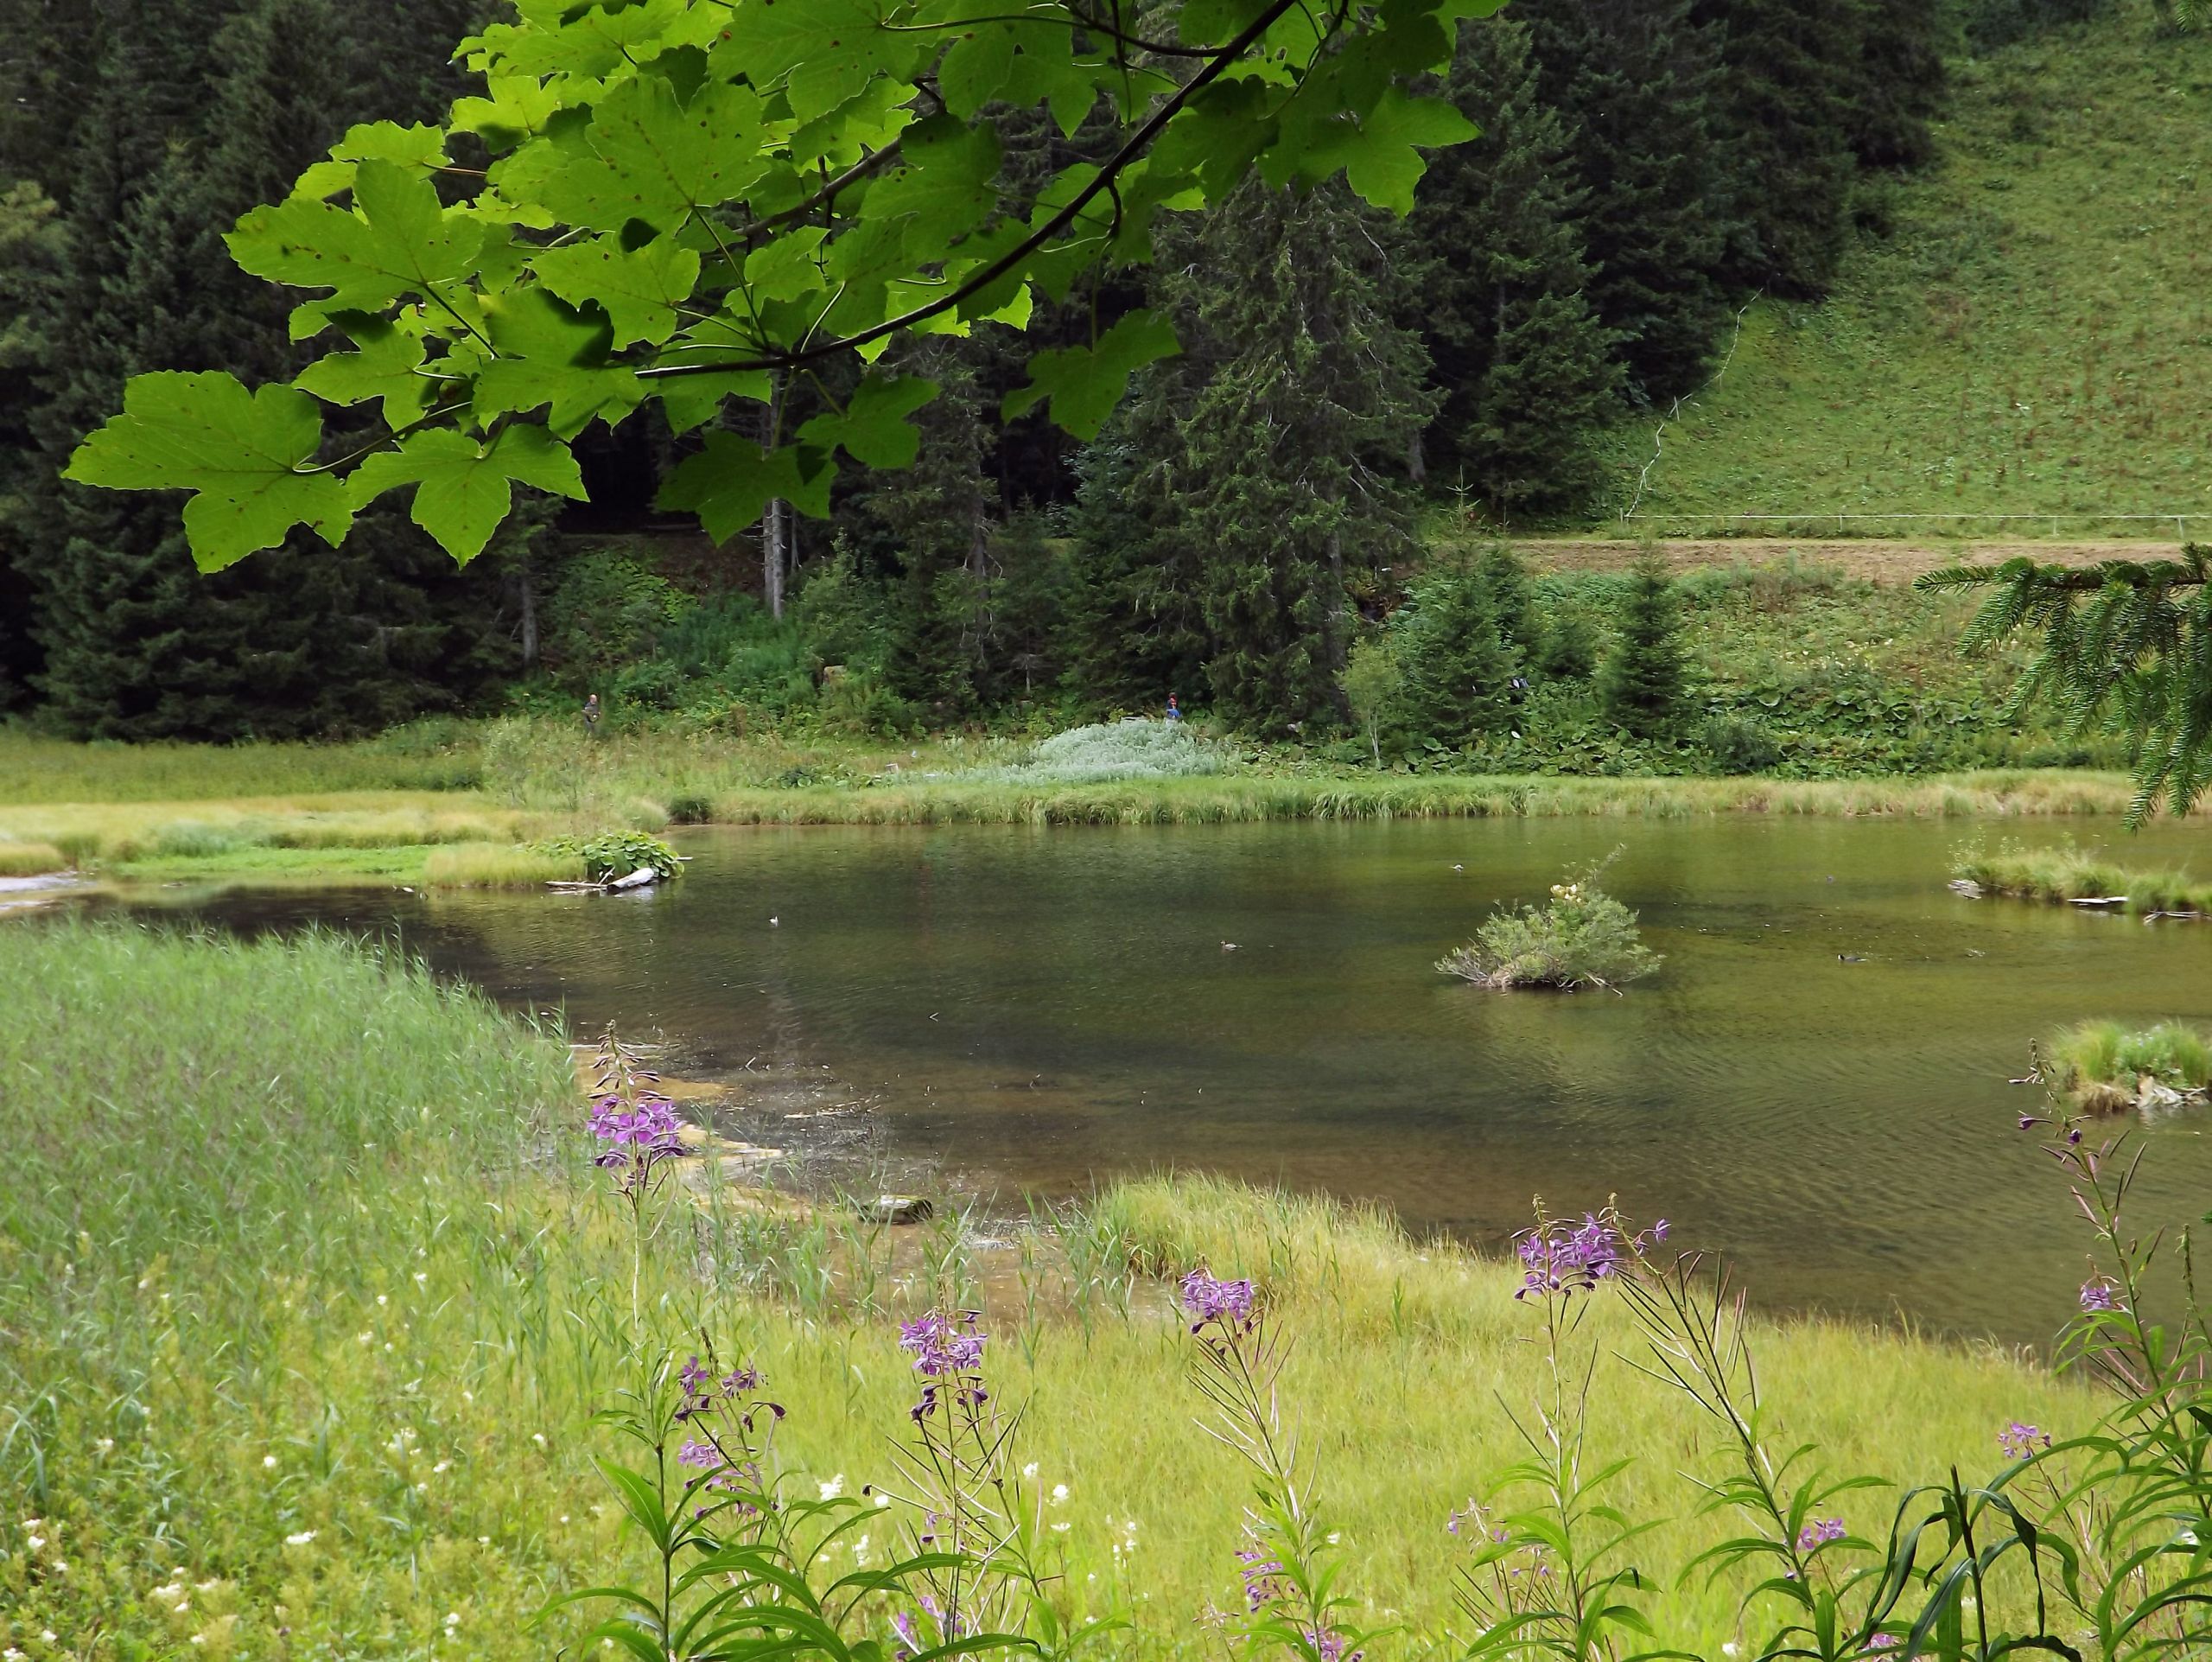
column 591, row 715
column 1174, row 710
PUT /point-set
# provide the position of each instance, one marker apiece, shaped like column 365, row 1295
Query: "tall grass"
column 30, row 859
column 2069, row 873
column 306, row 1306
column 2100, row 1063
column 440, row 756
column 472, row 867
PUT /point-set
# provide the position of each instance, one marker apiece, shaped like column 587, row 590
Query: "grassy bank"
column 2102, row 1065
column 308, row 1297
column 2069, row 873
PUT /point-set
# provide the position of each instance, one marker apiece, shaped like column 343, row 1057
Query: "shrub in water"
column 1582, row 937
column 616, row 854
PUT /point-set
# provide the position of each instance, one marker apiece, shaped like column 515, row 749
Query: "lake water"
column 1037, row 1009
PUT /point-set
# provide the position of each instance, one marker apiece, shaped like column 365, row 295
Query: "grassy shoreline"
column 307, row 1315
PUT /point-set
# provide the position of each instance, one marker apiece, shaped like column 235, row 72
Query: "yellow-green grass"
column 2070, row 873
column 2100, row 1063
column 471, row 866
column 309, row 1311
column 30, row 859
column 34, row 769
column 2028, row 341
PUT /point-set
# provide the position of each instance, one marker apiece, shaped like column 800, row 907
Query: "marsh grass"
column 471, row 866
column 31, row 859
column 2101, row 1063
column 309, row 1299
column 2069, row 873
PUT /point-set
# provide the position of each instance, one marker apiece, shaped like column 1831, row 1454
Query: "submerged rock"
column 897, row 1209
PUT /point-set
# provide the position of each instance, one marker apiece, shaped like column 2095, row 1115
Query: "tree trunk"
column 774, row 519
column 526, row 578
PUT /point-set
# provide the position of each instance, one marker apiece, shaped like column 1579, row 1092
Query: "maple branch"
column 829, row 190
column 376, row 444
column 977, row 281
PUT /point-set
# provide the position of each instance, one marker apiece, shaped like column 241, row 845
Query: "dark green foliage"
column 1503, row 295
column 846, row 615
column 1634, row 81
column 1641, row 687
column 1784, row 113
column 1738, row 744
column 1898, row 86
column 196, row 111
column 1512, row 600
column 1456, row 665
column 1567, row 650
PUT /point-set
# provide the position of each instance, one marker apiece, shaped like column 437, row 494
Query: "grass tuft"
column 472, row 866
column 2069, row 873
column 2101, row 1065
column 31, row 859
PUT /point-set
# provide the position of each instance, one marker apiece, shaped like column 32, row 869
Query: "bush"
column 859, row 701
column 1136, row 748
column 690, row 808
column 1582, row 937
column 616, row 854
column 1739, row 744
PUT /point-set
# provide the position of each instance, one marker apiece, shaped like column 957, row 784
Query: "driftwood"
column 642, row 877
column 2099, row 900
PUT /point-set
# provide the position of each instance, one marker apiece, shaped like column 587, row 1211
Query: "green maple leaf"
column 418, row 149
column 945, row 188
column 587, row 42
column 398, row 239
column 387, row 367
column 239, row 452
column 656, row 160
column 821, row 52
column 464, row 489
column 1084, row 383
column 731, row 482
column 640, row 289
column 873, row 428
column 1381, row 160
column 517, row 109
column 550, row 353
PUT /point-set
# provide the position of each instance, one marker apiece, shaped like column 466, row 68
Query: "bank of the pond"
column 308, row 1297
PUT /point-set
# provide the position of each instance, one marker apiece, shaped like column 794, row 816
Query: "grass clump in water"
column 475, row 866
column 2069, row 873
column 1581, row 937
column 2105, row 1067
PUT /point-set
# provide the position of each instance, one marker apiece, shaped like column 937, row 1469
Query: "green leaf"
column 1383, row 162
column 1084, row 383
column 463, row 489
column 822, row 51
column 653, row 159
column 640, row 289
column 420, row 149
column 731, row 482
column 396, row 240
column 874, row 429
column 944, row 187
column 519, row 108
column 550, row 353
column 387, row 367
column 239, row 452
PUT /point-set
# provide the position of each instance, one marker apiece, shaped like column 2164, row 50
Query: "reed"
column 473, row 866
column 31, row 859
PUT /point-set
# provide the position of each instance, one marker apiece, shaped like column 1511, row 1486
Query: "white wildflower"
column 1030, row 1470
column 1059, row 1493
column 300, row 1539
column 268, row 1462
column 833, row 1488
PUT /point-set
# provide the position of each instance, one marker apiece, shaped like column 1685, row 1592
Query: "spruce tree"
column 1457, row 662
column 1641, row 685
column 1633, row 81
column 1299, row 401
column 1784, row 113
column 1523, row 360
column 1898, row 83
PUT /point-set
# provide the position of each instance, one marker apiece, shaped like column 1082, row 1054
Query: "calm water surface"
column 1040, row 1007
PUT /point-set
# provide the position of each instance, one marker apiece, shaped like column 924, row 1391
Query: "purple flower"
column 943, row 1346
column 704, row 1455
column 1884, row 1642
column 2019, row 1441
column 1818, row 1534
column 1207, row 1300
column 744, row 1378
column 2097, row 1295
column 1562, row 1258
column 1262, row 1574
column 909, row 1643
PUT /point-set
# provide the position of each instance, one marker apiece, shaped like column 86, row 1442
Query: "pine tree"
column 1523, row 360
column 1899, row 84
column 1640, row 687
column 136, row 643
column 1784, row 113
column 1299, row 399
column 1633, row 81
column 1457, row 664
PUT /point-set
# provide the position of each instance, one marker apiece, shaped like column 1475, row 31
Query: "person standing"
column 591, row 715
column 1174, row 711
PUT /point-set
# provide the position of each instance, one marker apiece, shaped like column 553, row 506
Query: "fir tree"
column 1633, row 80
column 1458, row 665
column 1523, row 360
column 1784, row 113
column 1641, row 685
column 1899, row 84
column 1299, row 400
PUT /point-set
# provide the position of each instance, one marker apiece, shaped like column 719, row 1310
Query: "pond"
column 1814, row 1083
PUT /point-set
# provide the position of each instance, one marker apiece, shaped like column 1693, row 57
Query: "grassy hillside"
column 2034, row 338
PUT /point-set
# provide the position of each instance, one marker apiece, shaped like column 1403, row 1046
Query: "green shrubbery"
column 616, row 854
column 1581, row 937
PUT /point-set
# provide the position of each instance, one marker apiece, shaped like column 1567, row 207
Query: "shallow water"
column 1041, row 1008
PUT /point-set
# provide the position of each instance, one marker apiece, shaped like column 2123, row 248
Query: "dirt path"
column 1878, row 561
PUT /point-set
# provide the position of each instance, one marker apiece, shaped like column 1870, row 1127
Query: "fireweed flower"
column 2097, row 1295
column 1262, row 1577
column 1563, row 1258
column 948, row 1352
column 2021, row 1441
column 1819, row 1533
column 638, row 1138
column 1206, row 1299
